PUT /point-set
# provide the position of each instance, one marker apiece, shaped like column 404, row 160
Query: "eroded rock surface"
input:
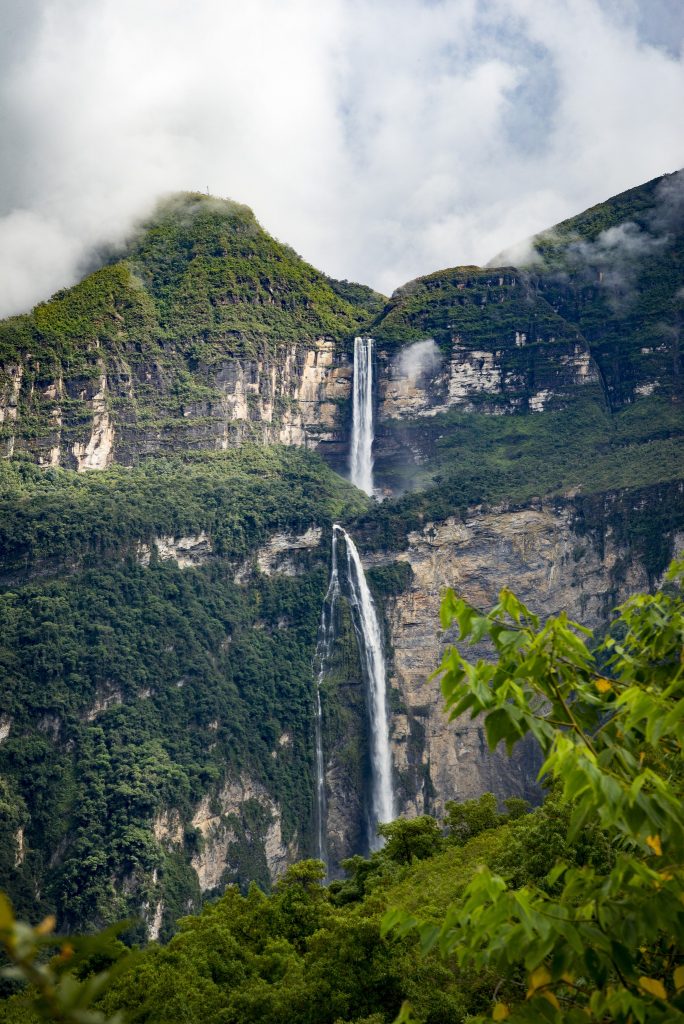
column 218, row 819
column 295, row 395
column 551, row 568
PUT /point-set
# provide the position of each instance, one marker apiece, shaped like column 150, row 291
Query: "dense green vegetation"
column 601, row 940
column 199, row 283
column 238, row 497
column 611, row 276
column 610, row 281
column 216, row 275
column 485, row 308
column 200, row 273
column 636, row 205
column 117, row 672
column 136, row 692
column 316, row 954
column 571, row 912
column 616, row 271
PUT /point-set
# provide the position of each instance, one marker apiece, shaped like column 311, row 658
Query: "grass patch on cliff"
column 472, row 459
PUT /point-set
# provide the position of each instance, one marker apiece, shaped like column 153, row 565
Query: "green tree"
column 598, row 938
column 472, row 817
column 407, row 838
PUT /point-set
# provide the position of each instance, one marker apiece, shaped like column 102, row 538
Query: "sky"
column 382, row 139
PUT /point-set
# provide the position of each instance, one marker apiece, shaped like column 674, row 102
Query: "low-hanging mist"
column 417, row 360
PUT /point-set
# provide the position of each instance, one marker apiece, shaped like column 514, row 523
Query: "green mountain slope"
column 587, row 329
column 308, row 953
column 218, row 278
column 157, row 678
column 616, row 271
column 150, row 340
column 200, row 274
column 134, row 681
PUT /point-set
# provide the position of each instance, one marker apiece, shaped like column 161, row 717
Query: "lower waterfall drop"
column 326, row 636
column 371, row 650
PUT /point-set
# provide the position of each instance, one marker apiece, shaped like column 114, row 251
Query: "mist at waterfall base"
column 366, row 626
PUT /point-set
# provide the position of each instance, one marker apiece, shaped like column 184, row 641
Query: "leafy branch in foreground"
column 64, row 987
column 591, row 944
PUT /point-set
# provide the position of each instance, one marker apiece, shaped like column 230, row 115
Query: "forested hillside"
column 175, row 433
column 139, row 670
column 201, row 326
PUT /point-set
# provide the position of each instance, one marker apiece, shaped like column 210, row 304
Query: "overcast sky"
column 382, row 139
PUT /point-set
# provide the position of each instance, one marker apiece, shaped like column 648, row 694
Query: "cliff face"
column 294, row 394
column 206, row 332
column 554, row 568
column 497, row 381
column 297, row 394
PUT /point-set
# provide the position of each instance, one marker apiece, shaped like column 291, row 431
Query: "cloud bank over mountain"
column 382, row 140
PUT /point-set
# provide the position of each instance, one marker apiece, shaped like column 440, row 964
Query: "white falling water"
column 365, row 620
column 371, row 649
column 361, row 459
column 326, row 636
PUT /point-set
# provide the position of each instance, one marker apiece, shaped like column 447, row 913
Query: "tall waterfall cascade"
column 361, row 457
column 369, row 638
column 326, row 637
column 366, row 625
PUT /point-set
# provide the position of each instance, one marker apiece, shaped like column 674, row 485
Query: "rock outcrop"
column 222, row 820
column 553, row 565
column 295, row 394
column 496, row 380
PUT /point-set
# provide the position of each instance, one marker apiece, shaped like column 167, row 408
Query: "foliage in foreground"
column 64, row 987
column 573, row 912
column 314, row 954
column 590, row 943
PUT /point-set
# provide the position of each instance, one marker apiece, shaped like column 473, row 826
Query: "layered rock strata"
column 128, row 409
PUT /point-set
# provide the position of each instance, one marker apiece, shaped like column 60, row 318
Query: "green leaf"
column 499, row 726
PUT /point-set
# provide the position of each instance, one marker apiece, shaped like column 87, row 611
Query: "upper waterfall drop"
column 369, row 637
column 361, row 456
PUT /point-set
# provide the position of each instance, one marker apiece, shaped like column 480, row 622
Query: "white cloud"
column 382, row 140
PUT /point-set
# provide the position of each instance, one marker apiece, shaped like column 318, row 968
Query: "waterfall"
column 361, row 460
column 326, row 636
column 370, row 643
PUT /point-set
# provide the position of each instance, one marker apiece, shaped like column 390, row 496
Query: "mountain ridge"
column 159, row 616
